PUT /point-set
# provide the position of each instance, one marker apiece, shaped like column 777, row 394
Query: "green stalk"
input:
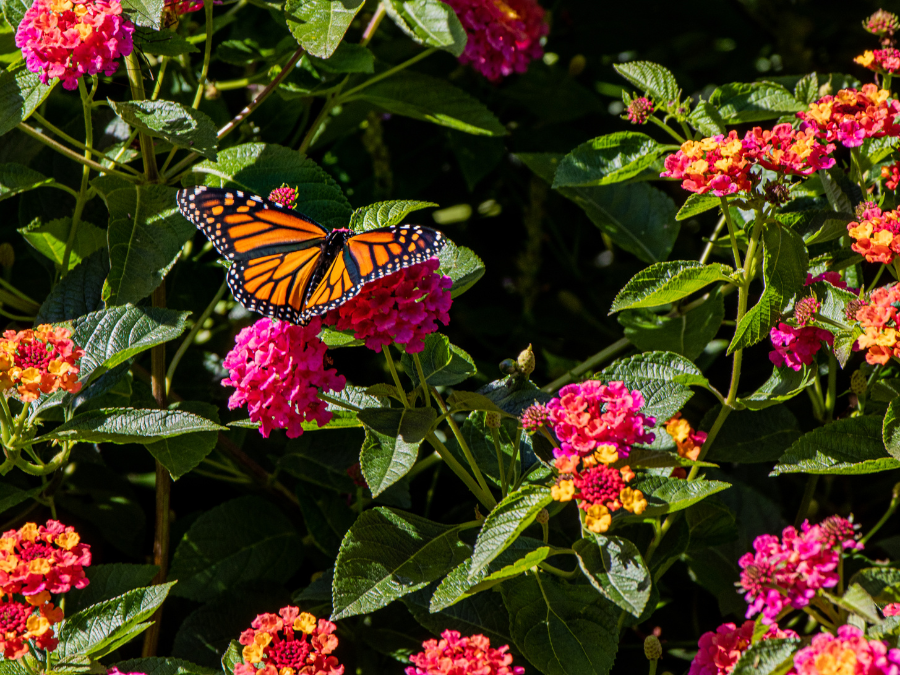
column 470, row 458
column 81, row 146
column 665, row 127
column 86, row 100
column 895, row 502
column 422, row 381
column 504, row 485
column 343, row 98
column 189, row 340
column 602, row 356
column 136, row 80
column 486, row 499
column 808, row 494
column 732, row 233
column 390, row 361
column 71, row 154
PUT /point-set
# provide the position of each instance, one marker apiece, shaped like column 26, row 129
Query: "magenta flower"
column 286, row 196
column 402, row 307
column 590, row 414
column 277, row 370
column 639, row 110
column 833, row 278
column 796, row 347
column 719, row 651
column 534, row 417
column 67, row 39
column 455, row 655
column 504, row 36
column 847, row 652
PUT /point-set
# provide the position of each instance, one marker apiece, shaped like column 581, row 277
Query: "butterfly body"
column 286, row 265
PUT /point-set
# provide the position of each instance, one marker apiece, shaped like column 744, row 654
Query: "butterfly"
column 286, row 265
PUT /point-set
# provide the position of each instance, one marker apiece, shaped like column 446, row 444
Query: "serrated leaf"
column 652, row 79
column 846, row 447
column 259, row 168
column 653, row 374
column 706, row 119
column 388, row 554
column 753, row 436
column 562, row 628
column 668, row 495
column 607, row 159
column 107, row 582
column 807, row 88
column 470, row 400
column 615, row 568
column 785, row 262
column 181, row 126
column 666, row 282
column 78, row 293
column 348, row 58
column 232, row 656
column 326, row 515
column 51, row 239
column 16, row 179
column 144, row 13
column 857, row 601
column 128, row 425
column 838, row 189
column 434, row 100
column 241, row 540
column 155, row 665
column 741, row 102
column 462, row 266
column 93, row 629
column 181, row 454
column 410, row 424
column 880, row 583
column 685, row 334
column 14, row 11
column 782, row 385
column 891, row 429
column 506, row 522
column 386, row 459
column 320, row 25
column 766, row 656
column 512, row 394
column 443, row 364
column 697, row 204
column 481, row 614
column 383, row 214
column 163, row 42
column 429, row 22
column 21, row 93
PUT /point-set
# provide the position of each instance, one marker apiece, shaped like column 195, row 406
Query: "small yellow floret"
column 563, row 491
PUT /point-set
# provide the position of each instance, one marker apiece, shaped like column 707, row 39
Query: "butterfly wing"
column 244, row 227
column 369, row 256
column 276, row 284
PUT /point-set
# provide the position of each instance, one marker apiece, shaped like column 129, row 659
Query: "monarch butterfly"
column 289, row 267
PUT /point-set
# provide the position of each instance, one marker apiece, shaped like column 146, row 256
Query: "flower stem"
column 470, row 458
column 495, row 437
column 726, row 212
column 660, row 533
column 486, row 499
column 207, row 53
column 374, row 22
column 81, row 146
column 669, row 130
column 136, row 80
column 189, row 340
column 390, row 361
column 602, row 356
column 808, row 494
column 71, row 154
column 86, row 100
column 895, row 502
column 712, row 240
column 343, row 98
column 422, row 379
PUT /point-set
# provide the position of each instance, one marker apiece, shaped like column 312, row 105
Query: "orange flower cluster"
column 852, row 116
column 289, row 643
column 877, row 234
column 36, row 561
column 39, row 361
column 686, row 439
column 720, row 165
column 884, row 61
column 891, row 175
column 879, row 320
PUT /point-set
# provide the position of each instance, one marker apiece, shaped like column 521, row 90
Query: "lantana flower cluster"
column 284, row 195
column 277, row 370
column 878, row 319
column 39, row 361
column 876, row 234
column 880, row 60
column 591, row 416
column 289, row 642
column 457, row 655
column 851, row 116
column 687, row 440
column 719, row 651
column 36, row 561
column 788, row 150
column 891, row 175
column 796, row 347
column 787, row 572
column 598, row 488
column 847, row 652
column 68, row 39
column 504, row 36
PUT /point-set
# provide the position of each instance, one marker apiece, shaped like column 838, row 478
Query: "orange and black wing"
column 243, row 226
column 276, row 284
column 369, row 256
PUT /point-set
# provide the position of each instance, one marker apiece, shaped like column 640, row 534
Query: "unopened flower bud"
column 853, row 307
column 576, row 65
column 210, row 91
column 638, row 111
column 862, row 207
column 881, row 23
column 805, row 310
column 525, row 361
column 508, row 367
column 896, row 491
column 478, row 515
column 543, row 517
column 652, row 648
column 492, row 420
column 777, row 193
column 858, row 384
column 7, row 255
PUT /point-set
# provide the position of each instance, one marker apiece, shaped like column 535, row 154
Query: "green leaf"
column 783, row 385
column 476, row 614
column 10, row 495
column 146, row 233
column 608, row 159
column 707, row 120
column 615, row 568
column 817, row 225
column 232, row 656
column 183, row 127
column 651, row 78
column 323, row 459
column 696, row 204
column 14, row 11
column 557, row 626
column 385, row 460
column 741, row 102
column 753, row 436
column 686, row 334
column 241, row 540
column 785, row 262
column 411, row 424
column 646, row 458
column 443, row 364
column 144, row 13
column 50, row 239
column 891, row 429
column 429, row 22
column 383, row 214
column 128, row 425
column 880, row 583
column 327, row 517
column 388, row 554
column 835, row 181
column 78, row 293
column 470, row 400
column 807, row 88
column 348, row 58
column 91, row 631
column 766, row 656
column 654, row 375
column 857, row 601
column 668, row 495
column 431, row 99
column 462, row 266
column 259, row 168
column 666, row 282
column 320, row 25
column 637, row 217
column 21, row 93
column 847, row 447
column 710, row 523
column 506, row 522
column 16, row 179
column 155, row 665
column 181, row 454
column 107, row 582
column 163, row 42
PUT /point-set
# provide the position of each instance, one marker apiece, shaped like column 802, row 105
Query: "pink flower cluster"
column 590, row 414
column 881, row 60
column 639, row 110
column 796, row 347
column 504, row 36
column 402, row 307
column 37, row 558
column 456, row 655
column 285, row 195
column 289, row 642
column 787, row 572
column 852, row 116
column 718, row 652
column 833, row 278
column 788, row 150
column 891, row 175
column 718, row 164
column 876, row 234
column 277, row 370
column 847, row 652
column 68, row 39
